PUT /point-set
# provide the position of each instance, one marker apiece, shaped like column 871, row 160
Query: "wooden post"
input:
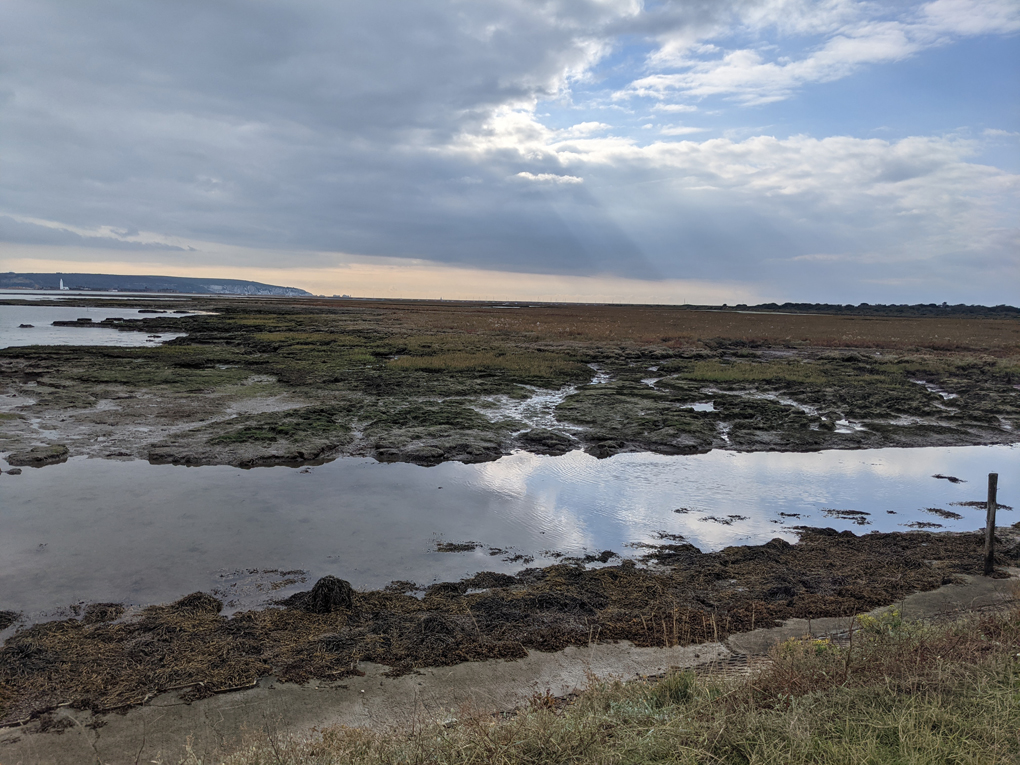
column 993, row 483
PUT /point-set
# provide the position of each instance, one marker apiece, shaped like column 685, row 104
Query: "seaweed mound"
column 329, row 594
column 197, row 603
column 100, row 613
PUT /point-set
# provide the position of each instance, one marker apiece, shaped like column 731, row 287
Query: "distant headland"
column 121, row 283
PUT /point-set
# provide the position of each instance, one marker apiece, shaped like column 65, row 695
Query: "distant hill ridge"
column 104, row 282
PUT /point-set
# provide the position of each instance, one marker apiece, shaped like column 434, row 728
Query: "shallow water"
column 42, row 331
column 92, row 530
column 536, row 411
column 75, row 294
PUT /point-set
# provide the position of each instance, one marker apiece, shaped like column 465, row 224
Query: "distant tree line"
column 869, row 309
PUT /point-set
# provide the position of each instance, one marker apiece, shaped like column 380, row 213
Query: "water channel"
column 106, row 530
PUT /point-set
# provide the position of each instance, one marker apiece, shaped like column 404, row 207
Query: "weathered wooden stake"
column 993, row 483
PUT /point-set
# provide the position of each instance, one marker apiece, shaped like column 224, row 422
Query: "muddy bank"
column 166, row 730
column 679, row 596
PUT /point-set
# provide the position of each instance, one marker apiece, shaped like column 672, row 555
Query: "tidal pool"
column 104, row 530
column 42, row 332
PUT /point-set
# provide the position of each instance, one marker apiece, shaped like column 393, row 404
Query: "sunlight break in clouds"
column 952, row 204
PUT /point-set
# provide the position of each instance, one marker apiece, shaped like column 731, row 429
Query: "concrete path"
column 976, row 593
column 158, row 731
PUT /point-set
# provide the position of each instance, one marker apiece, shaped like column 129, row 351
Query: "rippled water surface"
column 131, row 531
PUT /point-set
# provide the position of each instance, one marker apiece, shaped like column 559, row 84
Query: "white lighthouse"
column 62, row 285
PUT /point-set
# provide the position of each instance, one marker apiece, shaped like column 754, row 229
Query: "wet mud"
column 673, row 595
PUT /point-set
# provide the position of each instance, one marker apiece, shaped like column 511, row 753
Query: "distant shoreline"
column 145, row 284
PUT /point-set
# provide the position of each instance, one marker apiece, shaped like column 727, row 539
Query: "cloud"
column 699, row 207
column 549, row 177
column 660, row 107
column 301, row 124
column 103, row 235
column 412, row 131
column 970, row 17
column 584, row 129
column 680, row 130
column 852, row 35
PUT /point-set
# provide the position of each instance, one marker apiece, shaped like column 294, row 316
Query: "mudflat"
column 283, row 381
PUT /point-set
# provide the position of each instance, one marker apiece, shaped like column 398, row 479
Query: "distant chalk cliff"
column 106, row 282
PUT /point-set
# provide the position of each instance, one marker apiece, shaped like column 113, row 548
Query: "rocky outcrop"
column 544, row 441
column 38, row 456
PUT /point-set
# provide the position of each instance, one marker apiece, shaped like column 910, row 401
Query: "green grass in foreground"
column 901, row 693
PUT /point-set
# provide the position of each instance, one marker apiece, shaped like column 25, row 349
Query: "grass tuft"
column 750, row 372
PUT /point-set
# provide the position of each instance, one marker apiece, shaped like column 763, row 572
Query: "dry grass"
column 898, row 693
column 680, row 327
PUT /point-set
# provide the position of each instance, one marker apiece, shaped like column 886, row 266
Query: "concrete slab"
column 158, row 731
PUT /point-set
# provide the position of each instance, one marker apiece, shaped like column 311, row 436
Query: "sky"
column 665, row 151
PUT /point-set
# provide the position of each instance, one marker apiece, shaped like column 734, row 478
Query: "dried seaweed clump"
column 328, row 595
column 98, row 613
column 198, row 603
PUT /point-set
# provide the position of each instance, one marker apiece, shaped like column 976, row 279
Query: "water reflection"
column 40, row 329
column 108, row 530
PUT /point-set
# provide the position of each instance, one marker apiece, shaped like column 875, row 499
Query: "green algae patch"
column 630, row 417
column 312, row 422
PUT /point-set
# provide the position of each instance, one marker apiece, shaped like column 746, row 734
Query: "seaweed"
column 682, row 596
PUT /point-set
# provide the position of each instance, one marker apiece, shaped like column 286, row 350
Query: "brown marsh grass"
column 681, row 327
